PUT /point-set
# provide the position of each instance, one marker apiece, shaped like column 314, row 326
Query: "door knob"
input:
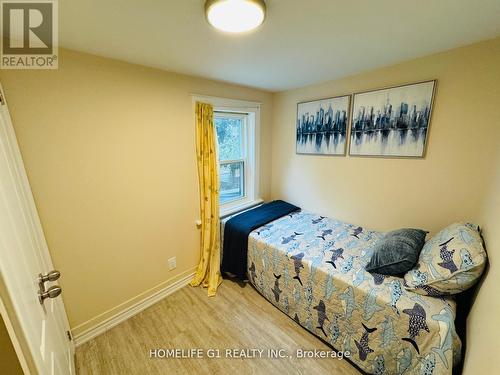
column 51, row 276
column 52, row 292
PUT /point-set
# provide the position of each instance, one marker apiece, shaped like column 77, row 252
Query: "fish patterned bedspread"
column 312, row 268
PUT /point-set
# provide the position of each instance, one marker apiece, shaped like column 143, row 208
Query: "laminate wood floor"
column 237, row 318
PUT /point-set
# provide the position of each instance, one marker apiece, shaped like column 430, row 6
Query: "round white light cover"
column 235, row 16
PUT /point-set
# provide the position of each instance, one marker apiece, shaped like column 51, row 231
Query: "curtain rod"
column 232, row 112
column 248, row 103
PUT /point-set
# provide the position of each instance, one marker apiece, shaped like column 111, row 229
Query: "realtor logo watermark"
column 29, row 34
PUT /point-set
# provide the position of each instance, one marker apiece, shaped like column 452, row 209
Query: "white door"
column 23, row 256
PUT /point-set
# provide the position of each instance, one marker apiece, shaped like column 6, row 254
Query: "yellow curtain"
column 208, row 272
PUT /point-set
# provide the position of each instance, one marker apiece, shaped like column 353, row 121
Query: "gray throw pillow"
column 397, row 252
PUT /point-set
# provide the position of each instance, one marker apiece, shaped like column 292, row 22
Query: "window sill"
column 235, row 209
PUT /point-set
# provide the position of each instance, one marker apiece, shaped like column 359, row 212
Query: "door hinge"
column 70, row 338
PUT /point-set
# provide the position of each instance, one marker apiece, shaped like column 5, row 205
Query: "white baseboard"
column 131, row 310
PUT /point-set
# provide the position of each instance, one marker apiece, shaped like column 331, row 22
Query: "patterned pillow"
column 449, row 263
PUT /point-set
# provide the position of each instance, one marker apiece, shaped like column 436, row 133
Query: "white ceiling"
column 301, row 42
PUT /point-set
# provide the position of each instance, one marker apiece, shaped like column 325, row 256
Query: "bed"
column 312, row 268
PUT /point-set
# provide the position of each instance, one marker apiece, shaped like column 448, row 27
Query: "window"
column 231, row 138
column 236, row 146
column 237, row 127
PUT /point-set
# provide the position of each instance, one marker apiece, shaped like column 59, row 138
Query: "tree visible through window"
column 231, row 138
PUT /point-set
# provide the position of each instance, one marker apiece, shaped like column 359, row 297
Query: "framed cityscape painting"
column 322, row 126
column 392, row 122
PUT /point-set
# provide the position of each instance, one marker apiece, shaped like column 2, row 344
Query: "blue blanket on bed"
column 238, row 228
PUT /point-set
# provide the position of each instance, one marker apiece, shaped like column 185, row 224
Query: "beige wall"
column 7, row 351
column 458, row 180
column 383, row 194
column 109, row 151
column 9, row 364
column 484, row 320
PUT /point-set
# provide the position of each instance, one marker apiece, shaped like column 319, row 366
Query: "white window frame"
column 252, row 165
column 247, row 164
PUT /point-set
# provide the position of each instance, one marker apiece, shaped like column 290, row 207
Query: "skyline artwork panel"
column 321, row 126
column 392, row 122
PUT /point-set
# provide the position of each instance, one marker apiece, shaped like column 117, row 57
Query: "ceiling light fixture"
column 235, row 16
